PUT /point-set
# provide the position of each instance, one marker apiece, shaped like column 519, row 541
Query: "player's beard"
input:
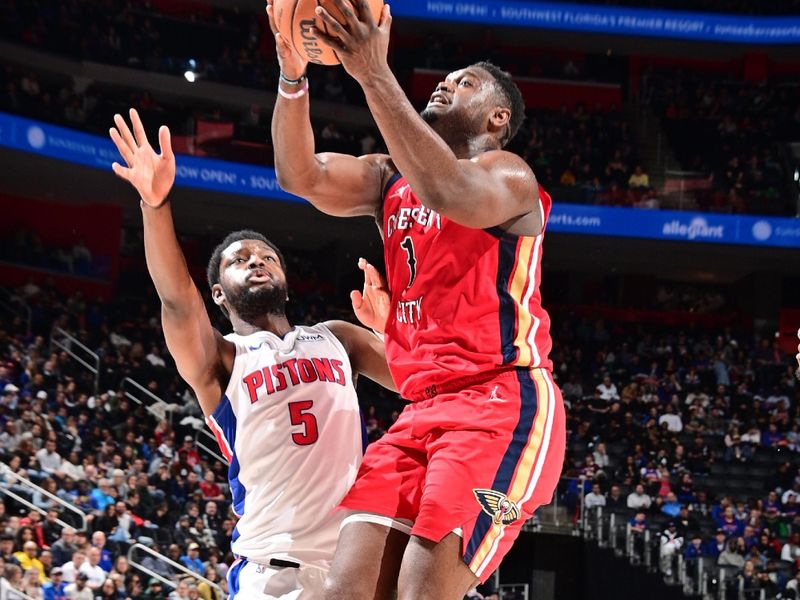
column 251, row 304
column 454, row 127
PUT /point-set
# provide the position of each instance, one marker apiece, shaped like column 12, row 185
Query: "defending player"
column 482, row 444
column 280, row 399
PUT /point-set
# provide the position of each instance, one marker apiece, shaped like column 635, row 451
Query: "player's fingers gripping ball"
column 296, row 20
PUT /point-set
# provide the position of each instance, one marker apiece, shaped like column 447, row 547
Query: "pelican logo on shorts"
column 502, row 510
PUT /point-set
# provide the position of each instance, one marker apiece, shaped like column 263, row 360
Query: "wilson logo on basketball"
column 502, row 510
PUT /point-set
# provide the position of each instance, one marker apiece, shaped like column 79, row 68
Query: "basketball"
column 295, row 18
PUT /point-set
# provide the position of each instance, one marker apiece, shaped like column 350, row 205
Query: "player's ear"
column 500, row 118
column 217, row 294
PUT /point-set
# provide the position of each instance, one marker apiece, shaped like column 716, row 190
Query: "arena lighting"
column 191, row 75
column 797, row 174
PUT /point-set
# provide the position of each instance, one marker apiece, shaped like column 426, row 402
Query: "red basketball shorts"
column 480, row 460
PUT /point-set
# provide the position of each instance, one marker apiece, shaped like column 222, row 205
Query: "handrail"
column 172, row 563
column 7, row 592
column 95, row 369
column 163, row 407
column 151, row 573
column 210, row 451
column 8, row 472
column 30, row 505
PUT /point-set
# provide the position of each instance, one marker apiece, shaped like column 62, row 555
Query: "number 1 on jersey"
column 299, row 415
column 408, row 246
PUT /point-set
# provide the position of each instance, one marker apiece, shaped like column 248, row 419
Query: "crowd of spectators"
column 136, row 477
column 664, row 425
column 585, row 156
column 730, row 131
column 691, row 435
column 24, row 246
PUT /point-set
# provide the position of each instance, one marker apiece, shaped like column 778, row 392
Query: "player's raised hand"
column 150, row 173
column 361, row 43
column 292, row 65
column 372, row 305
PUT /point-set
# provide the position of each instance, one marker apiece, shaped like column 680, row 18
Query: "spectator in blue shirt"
column 54, row 589
column 694, row 549
column 671, row 506
column 99, row 542
column 99, row 497
column 716, row 545
column 191, row 560
column 730, row 523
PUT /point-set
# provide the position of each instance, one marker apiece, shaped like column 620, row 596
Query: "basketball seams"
column 292, row 24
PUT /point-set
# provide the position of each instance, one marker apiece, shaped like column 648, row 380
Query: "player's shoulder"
column 505, row 160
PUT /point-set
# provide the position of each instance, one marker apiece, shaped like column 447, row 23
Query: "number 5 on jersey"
column 299, row 415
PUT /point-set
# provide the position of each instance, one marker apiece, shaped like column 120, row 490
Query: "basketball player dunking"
column 441, row 498
column 280, row 399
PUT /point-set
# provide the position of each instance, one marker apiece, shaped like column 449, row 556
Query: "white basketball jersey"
column 290, row 427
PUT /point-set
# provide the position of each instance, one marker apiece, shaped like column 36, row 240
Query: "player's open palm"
column 152, row 174
column 372, row 305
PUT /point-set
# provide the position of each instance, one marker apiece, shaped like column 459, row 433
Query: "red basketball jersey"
column 466, row 303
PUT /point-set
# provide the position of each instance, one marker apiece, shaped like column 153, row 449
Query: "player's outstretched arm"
column 337, row 184
column 200, row 352
column 493, row 189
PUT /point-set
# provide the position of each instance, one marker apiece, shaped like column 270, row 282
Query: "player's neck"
column 472, row 147
column 277, row 324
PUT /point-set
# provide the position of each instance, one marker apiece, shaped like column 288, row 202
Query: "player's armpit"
column 339, row 185
column 366, row 352
column 203, row 357
column 490, row 190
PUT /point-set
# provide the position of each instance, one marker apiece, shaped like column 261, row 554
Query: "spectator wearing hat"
column 191, row 560
column 79, row 590
column 716, row 545
column 670, row 545
column 55, row 589
column 10, row 396
column 154, row 591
